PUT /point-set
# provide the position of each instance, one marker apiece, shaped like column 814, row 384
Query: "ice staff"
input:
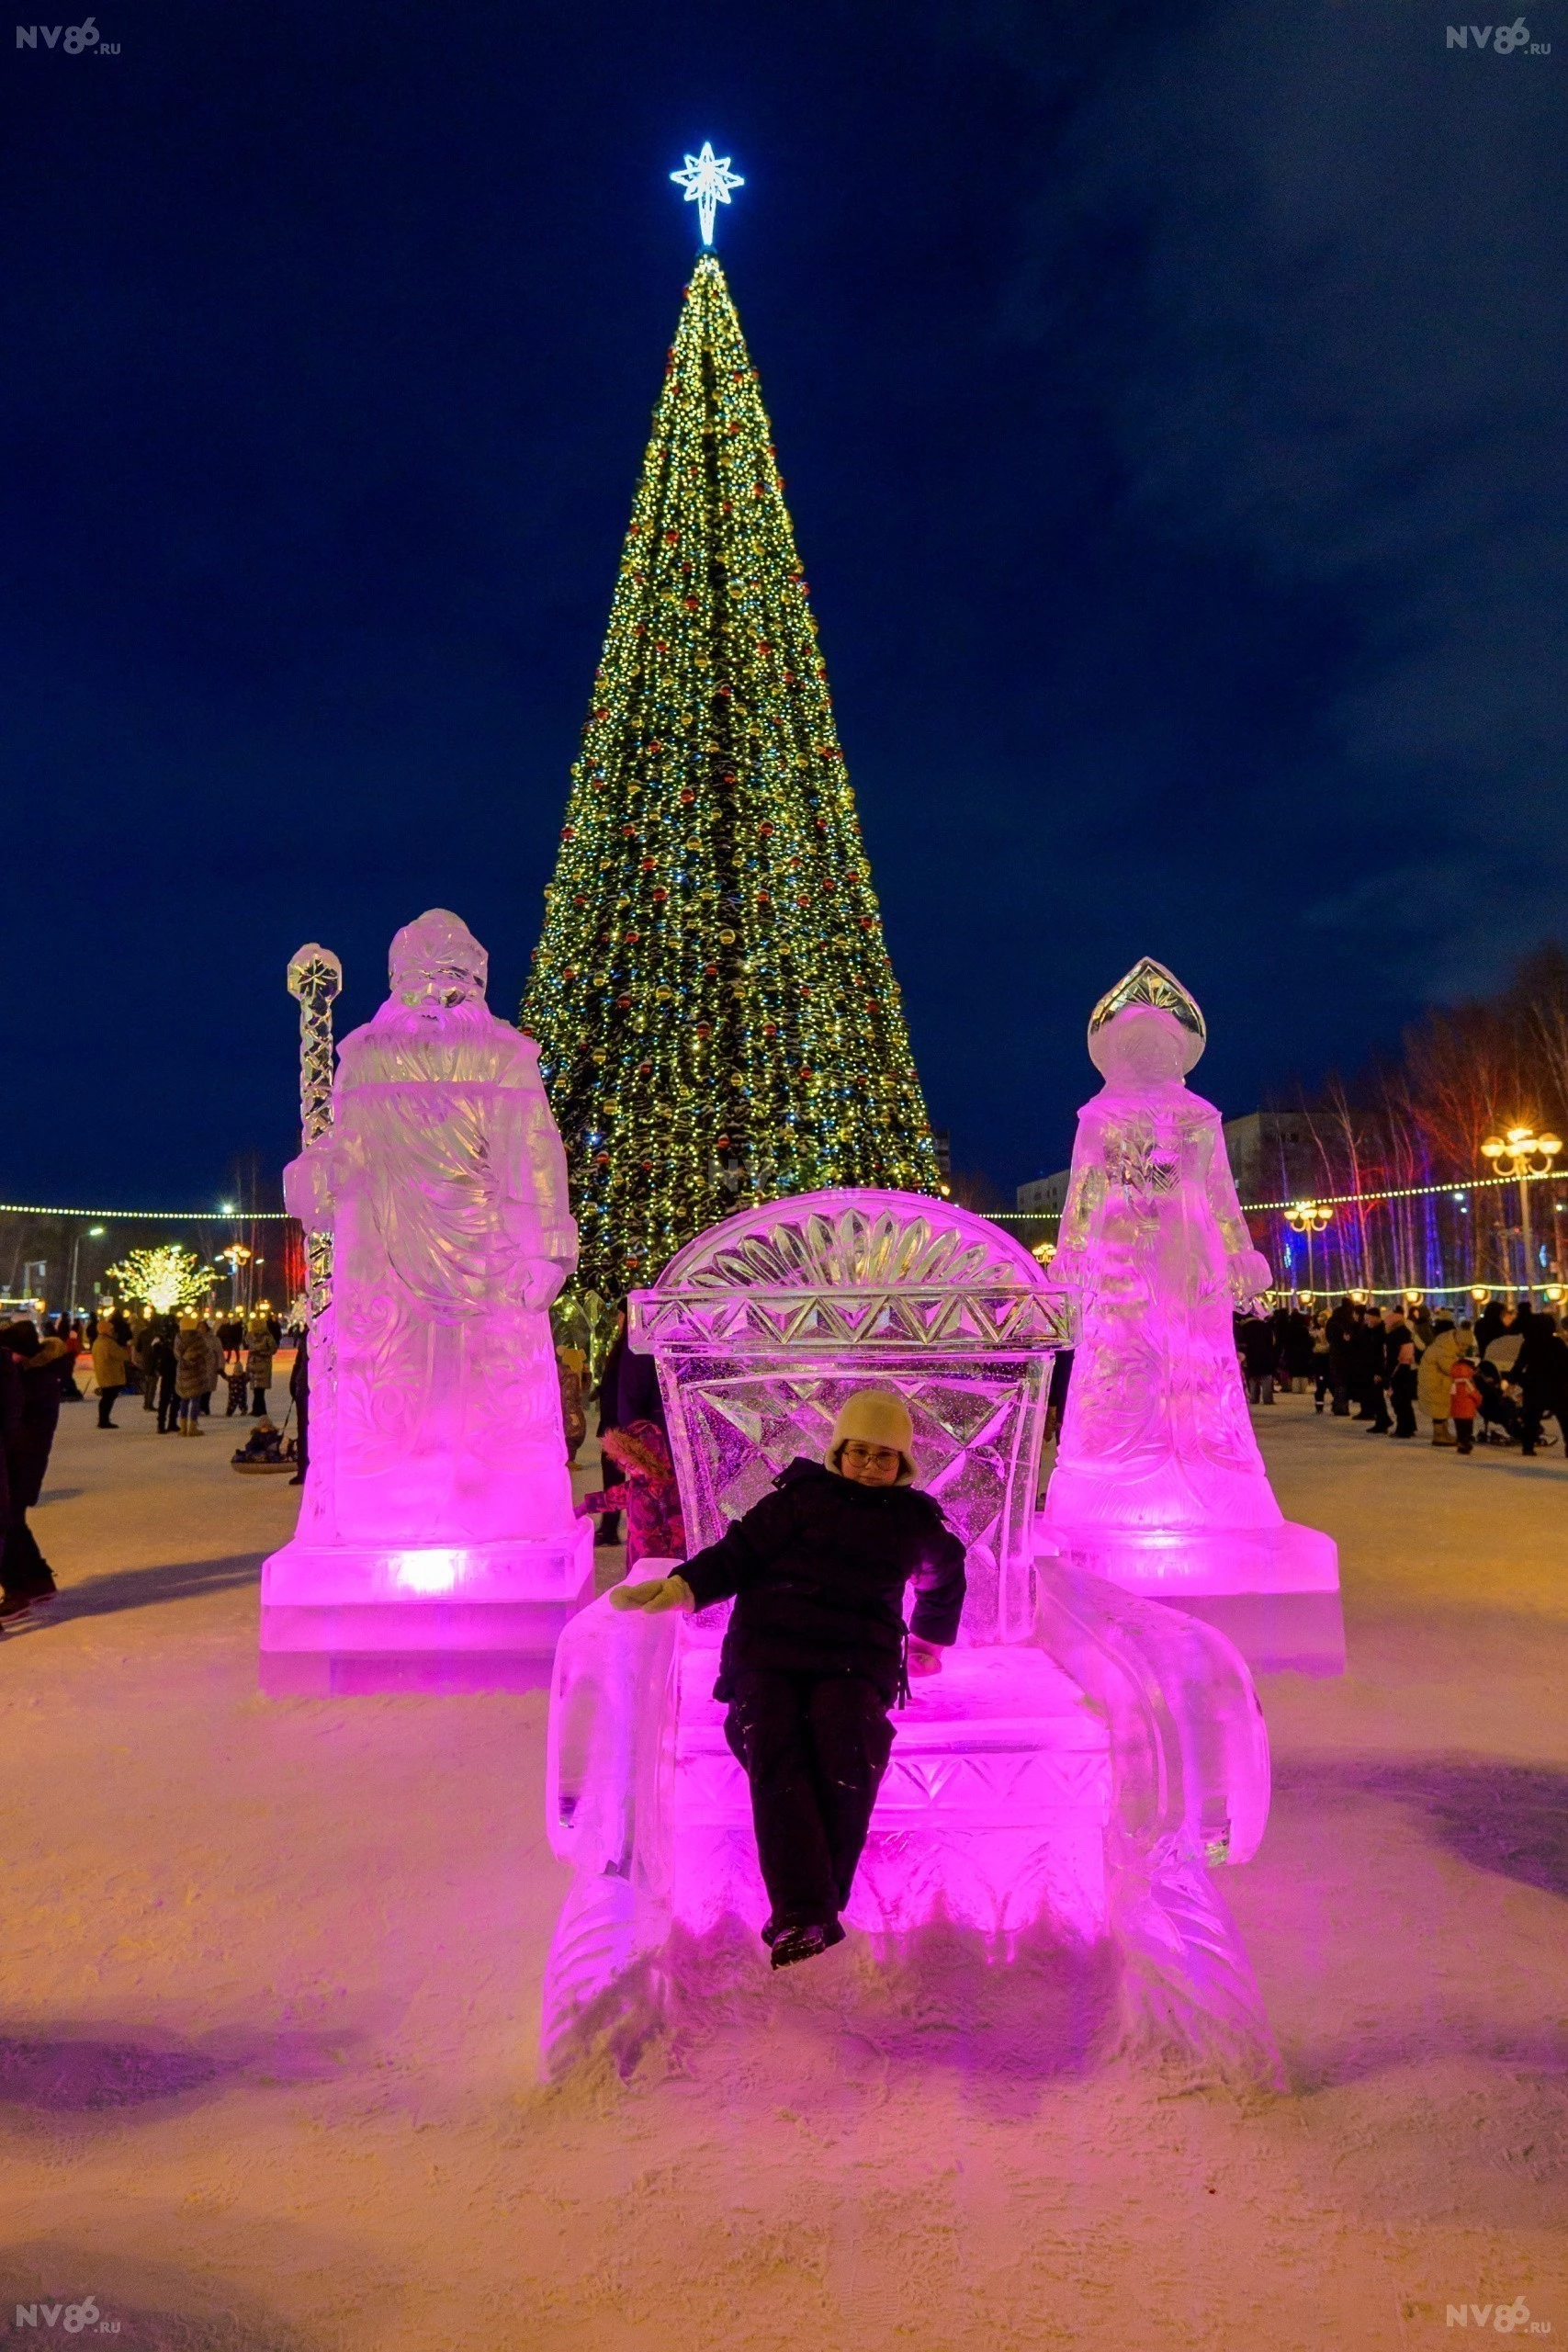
column 315, row 977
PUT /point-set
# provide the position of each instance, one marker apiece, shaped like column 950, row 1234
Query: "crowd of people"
column 1499, row 1379
column 174, row 1363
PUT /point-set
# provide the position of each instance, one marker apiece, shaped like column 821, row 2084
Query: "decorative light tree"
column 716, row 1016
column 166, row 1279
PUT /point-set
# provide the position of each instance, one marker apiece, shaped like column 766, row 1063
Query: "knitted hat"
column 876, row 1417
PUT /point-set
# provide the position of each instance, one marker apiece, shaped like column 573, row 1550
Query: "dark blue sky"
column 1170, row 403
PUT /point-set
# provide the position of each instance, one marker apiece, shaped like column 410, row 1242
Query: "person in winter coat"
column 43, row 1367
column 646, row 1491
column 300, row 1391
column 1396, row 1337
column 260, row 1349
column 214, row 1364
column 610, row 1415
column 1490, row 1323
column 816, row 1651
column 143, row 1348
column 10, row 1422
column 1295, row 1346
column 1402, row 1383
column 1465, row 1401
column 1503, row 1348
column 70, row 1334
column 1541, row 1370
column 1432, row 1378
column 1257, row 1344
column 110, row 1358
column 1320, row 1365
column 1057, row 1395
column 193, row 1373
column 1367, row 1372
column 162, row 1374
column 570, row 1364
column 1342, row 1330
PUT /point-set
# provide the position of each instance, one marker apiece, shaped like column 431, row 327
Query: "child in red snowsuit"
column 647, row 1494
column 1464, row 1402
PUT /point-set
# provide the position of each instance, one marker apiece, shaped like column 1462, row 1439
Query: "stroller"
column 1500, row 1421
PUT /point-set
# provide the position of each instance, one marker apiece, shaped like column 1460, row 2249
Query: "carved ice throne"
column 1077, row 1742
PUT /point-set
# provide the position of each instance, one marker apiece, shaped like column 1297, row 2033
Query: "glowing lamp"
column 427, row 1571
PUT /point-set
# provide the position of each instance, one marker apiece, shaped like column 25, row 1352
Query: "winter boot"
column 805, row 1943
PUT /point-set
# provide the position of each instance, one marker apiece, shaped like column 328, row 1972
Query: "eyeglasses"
column 867, row 1455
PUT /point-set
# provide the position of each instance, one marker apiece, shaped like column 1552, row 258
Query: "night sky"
column 1169, row 399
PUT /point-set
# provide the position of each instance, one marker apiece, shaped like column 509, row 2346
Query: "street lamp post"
column 1309, row 1217
column 1522, row 1153
column 237, row 1255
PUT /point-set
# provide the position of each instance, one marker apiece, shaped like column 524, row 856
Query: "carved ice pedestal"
column 436, row 1546
column 1158, row 1485
column 342, row 1620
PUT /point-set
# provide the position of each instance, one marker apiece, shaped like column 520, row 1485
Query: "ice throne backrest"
column 762, row 1325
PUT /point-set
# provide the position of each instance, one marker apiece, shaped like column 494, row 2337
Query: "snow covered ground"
column 269, row 1984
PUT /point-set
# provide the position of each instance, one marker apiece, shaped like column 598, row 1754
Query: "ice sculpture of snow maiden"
column 1158, row 1483
column 1067, row 1776
column 437, row 1545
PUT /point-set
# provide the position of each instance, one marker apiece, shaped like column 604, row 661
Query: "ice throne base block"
column 340, row 1620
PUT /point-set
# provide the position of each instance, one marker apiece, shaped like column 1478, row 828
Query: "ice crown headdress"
column 1150, row 983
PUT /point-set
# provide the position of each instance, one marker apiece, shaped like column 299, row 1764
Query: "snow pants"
column 815, row 1747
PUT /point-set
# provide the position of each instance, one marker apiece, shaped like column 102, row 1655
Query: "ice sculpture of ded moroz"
column 1158, row 1484
column 436, row 1516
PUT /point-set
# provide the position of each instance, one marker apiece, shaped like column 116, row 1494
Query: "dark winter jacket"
column 1259, row 1346
column 1365, row 1358
column 10, row 1425
column 819, row 1569
column 27, row 1448
column 1540, row 1368
column 628, row 1389
column 1340, row 1330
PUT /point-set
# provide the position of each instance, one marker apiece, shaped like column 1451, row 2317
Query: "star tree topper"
column 707, row 180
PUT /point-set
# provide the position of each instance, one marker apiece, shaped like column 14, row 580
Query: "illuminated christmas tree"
column 717, row 1019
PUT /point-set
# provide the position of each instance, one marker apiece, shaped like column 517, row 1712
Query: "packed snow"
column 268, row 2074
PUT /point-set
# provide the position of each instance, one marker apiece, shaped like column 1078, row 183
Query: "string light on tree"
column 707, row 180
column 717, row 1018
